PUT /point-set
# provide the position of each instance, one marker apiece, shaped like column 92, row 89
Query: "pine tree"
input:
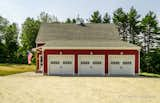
column 96, row 17
column 106, row 18
column 149, row 26
column 120, row 18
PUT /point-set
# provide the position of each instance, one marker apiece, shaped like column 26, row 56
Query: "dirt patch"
column 36, row 88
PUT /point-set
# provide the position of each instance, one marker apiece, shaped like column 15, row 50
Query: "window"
column 115, row 62
column 67, row 62
column 84, row 62
column 41, row 60
column 97, row 62
column 127, row 62
column 54, row 62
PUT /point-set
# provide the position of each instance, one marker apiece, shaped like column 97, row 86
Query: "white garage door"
column 121, row 64
column 91, row 65
column 60, row 64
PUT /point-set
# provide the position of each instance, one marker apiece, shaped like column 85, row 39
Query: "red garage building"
column 90, row 49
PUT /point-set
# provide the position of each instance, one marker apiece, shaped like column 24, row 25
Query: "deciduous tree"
column 30, row 30
column 3, row 24
column 11, row 43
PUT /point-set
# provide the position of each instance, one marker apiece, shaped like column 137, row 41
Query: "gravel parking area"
column 35, row 88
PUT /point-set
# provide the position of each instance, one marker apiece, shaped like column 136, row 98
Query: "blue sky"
column 18, row 10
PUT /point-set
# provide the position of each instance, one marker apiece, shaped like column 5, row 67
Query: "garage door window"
column 67, row 62
column 54, row 62
column 115, row 62
column 127, row 62
column 84, row 62
column 97, row 62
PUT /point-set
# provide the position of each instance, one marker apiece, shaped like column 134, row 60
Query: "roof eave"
column 94, row 48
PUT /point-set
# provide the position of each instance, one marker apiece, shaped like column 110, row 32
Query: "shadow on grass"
column 9, row 69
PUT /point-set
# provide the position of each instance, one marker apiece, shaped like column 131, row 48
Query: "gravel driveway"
column 35, row 88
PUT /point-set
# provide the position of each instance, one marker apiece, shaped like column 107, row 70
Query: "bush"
column 150, row 62
column 3, row 53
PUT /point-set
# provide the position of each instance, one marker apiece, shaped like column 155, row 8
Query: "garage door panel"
column 61, row 64
column 121, row 64
column 91, row 65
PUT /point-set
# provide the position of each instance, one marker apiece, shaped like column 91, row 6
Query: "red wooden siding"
column 94, row 52
column 39, row 52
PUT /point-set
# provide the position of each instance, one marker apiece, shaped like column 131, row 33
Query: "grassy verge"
column 149, row 74
column 8, row 69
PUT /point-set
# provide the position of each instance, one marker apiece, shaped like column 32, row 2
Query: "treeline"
column 132, row 27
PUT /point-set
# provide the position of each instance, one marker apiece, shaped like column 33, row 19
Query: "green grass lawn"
column 145, row 74
column 8, row 69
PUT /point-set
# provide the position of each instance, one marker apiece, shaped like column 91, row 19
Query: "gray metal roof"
column 50, row 32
